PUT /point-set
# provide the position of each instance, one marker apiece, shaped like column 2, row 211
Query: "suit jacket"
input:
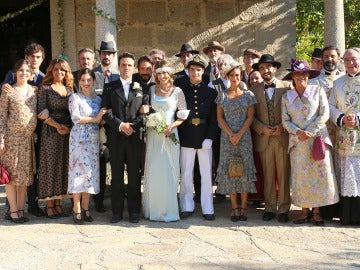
column 123, row 110
column 191, row 135
column 210, row 74
column 145, row 86
column 100, row 78
column 261, row 118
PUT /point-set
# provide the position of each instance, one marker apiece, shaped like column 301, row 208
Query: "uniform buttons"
column 196, row 113
column 195, row 101
column 195, row 108
column 195, row 91
column 195, row 96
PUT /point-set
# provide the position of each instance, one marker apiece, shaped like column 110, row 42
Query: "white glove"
column 206, row 144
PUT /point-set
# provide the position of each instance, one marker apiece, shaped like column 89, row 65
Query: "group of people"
column 58, row 130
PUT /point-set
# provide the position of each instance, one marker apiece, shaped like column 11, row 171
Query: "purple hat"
column 300, row 66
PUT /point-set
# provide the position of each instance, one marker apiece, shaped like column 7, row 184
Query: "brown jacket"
column 261, row 118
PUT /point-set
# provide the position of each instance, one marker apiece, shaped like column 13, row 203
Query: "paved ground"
column 188, row 244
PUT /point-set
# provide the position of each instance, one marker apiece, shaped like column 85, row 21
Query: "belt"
column 196, row 121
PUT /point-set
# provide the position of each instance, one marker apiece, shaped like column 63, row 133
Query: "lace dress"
column 162, row 167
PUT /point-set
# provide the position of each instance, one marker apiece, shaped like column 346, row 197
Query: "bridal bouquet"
column 156, row 121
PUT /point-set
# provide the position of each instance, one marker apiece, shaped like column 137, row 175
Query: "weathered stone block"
column 135, row 36
column 148, row 11
column 164, row 35
column 186, row 13
column 217, row 12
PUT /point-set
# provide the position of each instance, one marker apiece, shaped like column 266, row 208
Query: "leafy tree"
column 310, row 26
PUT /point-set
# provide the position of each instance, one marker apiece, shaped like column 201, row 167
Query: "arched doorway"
column 16, row 33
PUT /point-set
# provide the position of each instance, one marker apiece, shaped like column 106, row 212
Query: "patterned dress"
column 162, row 168
column 84, row 166
column 54, row 148
column 313, row 182
column 235, row 114
column 18, row 119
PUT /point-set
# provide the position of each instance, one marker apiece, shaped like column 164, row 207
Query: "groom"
column 123, row 99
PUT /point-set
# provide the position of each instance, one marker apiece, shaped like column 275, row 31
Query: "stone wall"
column 268, row 26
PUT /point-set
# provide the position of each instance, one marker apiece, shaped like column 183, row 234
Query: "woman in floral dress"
column 305, row 110
column 235, row 113
column 18, row 119
column 84, row 171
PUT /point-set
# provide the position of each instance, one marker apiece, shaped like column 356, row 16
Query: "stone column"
column 105, row 30
column 334, row 24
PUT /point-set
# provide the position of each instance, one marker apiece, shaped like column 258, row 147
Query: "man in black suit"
column 196, row 135
column 35, row 54
column 145, row 71
column 123, row 99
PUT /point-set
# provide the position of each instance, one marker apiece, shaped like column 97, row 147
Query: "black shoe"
column 78, row 221
column 305, row 217
column 116, row 219
column 22, row 215
column 283, row 217
column 86, row 216
column 234, row 214
column 16, row 219
column 36, row 211
column 186, row 214
column 48, row 213
column 242, row 216
column 134, row 218
column 60, row 212
column 317, row 222
column 209, row 216
column 267, row 216
column 99, row 207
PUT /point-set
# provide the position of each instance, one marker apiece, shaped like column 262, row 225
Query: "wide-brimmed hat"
column 198, row 60
column 186, row 48
column 253, row 52
column 107, row 46
column 214, row 44
column 301, row 66
column 266, row 58
column 317, row 53
column 228, row 68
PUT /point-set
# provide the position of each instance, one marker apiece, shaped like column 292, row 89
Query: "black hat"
column 266, row 58
column 186, row 48
column 317, row 53
column 107, row 46
column 198, row 60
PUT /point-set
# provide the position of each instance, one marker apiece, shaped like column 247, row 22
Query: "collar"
column 270, row 85
column 354, row 75
column 309, row 92
column 125, row 82
column 103, row 69
column 328, row 73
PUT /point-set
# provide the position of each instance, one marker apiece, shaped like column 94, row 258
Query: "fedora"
column 253, row 52
column 300, row 66
column 186, row 48
column 214, row 44
column 266, row 58
column 107, row 46
column 317, row 53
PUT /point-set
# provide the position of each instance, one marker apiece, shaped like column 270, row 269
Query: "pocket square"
column 138, row 95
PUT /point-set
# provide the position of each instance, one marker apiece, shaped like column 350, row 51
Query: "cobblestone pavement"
column 188, row 244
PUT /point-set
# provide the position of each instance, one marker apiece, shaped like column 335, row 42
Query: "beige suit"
column 273, row 150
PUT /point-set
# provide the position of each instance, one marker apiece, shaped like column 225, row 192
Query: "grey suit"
column 100, row 78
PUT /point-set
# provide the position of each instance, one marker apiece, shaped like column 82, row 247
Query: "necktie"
column 216, row 71
column 272, row 85
column 107, row 74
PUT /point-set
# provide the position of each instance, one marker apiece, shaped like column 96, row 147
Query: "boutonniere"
column 136, row 87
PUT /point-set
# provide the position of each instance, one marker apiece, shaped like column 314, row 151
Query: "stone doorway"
column 16, row 33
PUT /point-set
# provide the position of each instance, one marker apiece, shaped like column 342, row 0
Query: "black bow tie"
column 272, row 85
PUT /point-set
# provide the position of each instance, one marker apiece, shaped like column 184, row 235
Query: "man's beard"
column 105, row 62
column 329, row 66
column 145, row 77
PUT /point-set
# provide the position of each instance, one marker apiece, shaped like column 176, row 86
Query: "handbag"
column 236, row 168
column 318, row 149
column 4, row 175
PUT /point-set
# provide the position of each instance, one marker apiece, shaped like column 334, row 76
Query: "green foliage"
column 310, row 26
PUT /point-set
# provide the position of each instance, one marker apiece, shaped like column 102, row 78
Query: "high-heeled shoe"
column 234, row 217
column 78, row 221
column 60, row 212
column 86, row 216
column 22, row 215
column 242, row 216
column 17, row 219
column 54, row 214
column 319, row 222
column 305, row 217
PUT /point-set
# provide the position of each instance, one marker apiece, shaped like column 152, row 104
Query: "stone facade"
column 268, row 26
